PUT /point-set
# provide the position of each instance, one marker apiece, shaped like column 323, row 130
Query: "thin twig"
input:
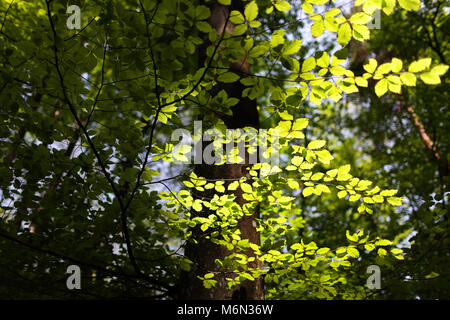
column 92, row 146
column 102, row 80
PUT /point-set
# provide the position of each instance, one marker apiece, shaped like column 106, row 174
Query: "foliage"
column 87, row 171
column 393, row 140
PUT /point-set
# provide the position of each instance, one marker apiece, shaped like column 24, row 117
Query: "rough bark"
column 204, row 253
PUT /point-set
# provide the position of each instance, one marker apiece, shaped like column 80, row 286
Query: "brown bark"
column 444, row 165
column 204, row 252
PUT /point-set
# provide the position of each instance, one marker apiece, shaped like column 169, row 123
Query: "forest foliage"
column 90, row 173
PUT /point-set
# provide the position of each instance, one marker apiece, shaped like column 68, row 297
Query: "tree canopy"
column 119, row 148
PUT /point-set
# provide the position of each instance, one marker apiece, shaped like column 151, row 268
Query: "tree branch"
column 6, row 14
column 87, row 264
column 92, row 146
column 101, row 81
column 427, row 141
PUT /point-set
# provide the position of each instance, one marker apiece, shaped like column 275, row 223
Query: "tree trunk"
column 204, row 252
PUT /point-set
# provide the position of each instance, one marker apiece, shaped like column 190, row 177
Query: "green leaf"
column 233, row 186
column 308, row 64
column 293, row 184
column 383, row 69
column 410, row 4
column 381, row 87
column 247, row 188
column 353, row 252
column 290, row 63
column 258, row 50
column 251, row 11
column 308, row 191
column 396, row 65
column 323, row 188
column 307, row 7
column 338, row 70
column 361, row 82
column 324, row 156
column 228, row 77
column 254, row 24
column 342, row 194
column 246, row 276
column 388, row 6
column 285, row 115
column 344, row 34
column 408, row 79
column 324, row 278
column 344, row 169
column 316, row 144
column 203, row 26
column 317, row 28
column 282, row 5
column 185, row 264
column 383, row 242
column 430, row 78
column 197, row 205
column 300, row 124
column 368, row 200
column 395, row 201
column 209, row 283
column 239, row 29
column 202, row 12
column 277, row 38
column 225, row 2
column 297, row 161
column 388, row 192
column 432, row 275
column 219, row 188
column 209, row 275
column 371, row 65
column 317, row 176
column 439, row 70
column 331, row 24
column 382, row 252
column 378, row 199
column 354, row 197
column 322, row 251
column 396, row 251
column 236, row 17
column 360, row 18
column 332, row 173
column 324, row 60
column 162, row 117
column 350, row 237
column 361, row 32
column 363, row 185
column 419, row 65
column 292, row 47
column 149, row 173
